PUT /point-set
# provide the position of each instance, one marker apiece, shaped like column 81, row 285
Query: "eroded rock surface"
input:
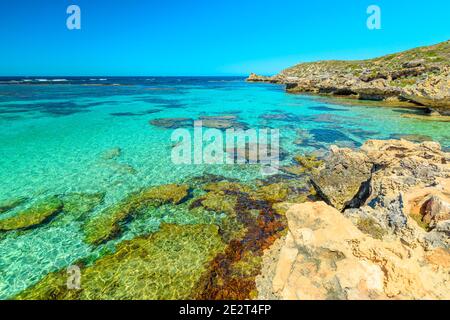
column 325, row 256
column 380, row 182
column 386, row 236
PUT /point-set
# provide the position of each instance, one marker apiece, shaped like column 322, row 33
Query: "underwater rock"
column 293, row 170
column 272, row 193
column 111, row 154
column 172, row 123
column 219, row 202
column 37, row 214
column 434, row 118
column 206, row 178
column 230, row 117
column 77, row 206
column 232, row 274
column 228, row 187
column 308, row 162
column 305, row 164
column 135, row 114
column 281, row 116
column 166, row 265
column 325, row 108
column 329, row 135
column 122, row 168
column 253, row 153
column 223, row 122
column 10, row 204
column 107, row 224
column 412, row 137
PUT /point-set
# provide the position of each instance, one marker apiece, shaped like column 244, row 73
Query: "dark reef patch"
column 172, row 123
column 418, row 138
column 135, row 114
column 165, row 103
column 325, row 108
column 362, row 133
column 329, row 135
column 282, row 116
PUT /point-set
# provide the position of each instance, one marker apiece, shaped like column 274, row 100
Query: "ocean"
column 100, row 135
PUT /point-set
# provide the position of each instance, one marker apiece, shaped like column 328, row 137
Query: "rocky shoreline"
column 383, row 232
column 368, row 223
column 419, row 77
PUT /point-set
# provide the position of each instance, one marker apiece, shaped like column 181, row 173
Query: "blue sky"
column 206, row 37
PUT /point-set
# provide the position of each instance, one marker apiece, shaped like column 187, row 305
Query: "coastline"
column 127, row 210
column 417, row 78
column 388, row 228
column 380, row 235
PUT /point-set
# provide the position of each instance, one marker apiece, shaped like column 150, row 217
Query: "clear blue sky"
column 206, row 37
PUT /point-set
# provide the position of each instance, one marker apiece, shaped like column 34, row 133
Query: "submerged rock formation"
column 386, row 236
column 106, row 224
column 420, row 76
column 164, row 265
column 33, row 216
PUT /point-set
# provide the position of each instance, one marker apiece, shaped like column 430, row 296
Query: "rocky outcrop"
column 384, row 233
column 325, row 256
column 343, row 179
column 388, row 166
column 256, row 78
column 420, row 76
column 383, row 180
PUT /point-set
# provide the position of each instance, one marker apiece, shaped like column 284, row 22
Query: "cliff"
column 420, row 76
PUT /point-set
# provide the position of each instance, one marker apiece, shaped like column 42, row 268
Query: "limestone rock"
column 342, row 180
column 324, row 256
column 256, row 78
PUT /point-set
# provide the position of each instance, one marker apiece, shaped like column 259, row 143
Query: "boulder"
column 343, row 180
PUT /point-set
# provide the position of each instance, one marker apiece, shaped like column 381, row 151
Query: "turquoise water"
column 54, row 137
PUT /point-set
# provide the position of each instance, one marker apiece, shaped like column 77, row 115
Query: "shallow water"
column 54, row 136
